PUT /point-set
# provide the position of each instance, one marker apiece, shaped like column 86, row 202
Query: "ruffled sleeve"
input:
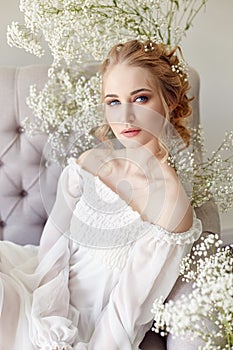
column 150, row 272
column 53, row 321
column 69, row 190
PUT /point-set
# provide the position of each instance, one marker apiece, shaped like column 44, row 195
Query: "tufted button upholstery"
column 27, row 187
column 23, row 193
column 2, row 223
column 20, row 130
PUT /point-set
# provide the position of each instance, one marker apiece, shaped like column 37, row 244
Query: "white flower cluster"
column 68, row 116
column 211, row 176
column 77, row 30
column 22, row 37
column 207, row 312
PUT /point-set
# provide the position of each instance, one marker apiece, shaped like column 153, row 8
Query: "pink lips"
column 130, row 132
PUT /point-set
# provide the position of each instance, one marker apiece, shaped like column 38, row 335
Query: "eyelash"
column 113, row 102
column 116, row 102
column 144, row 98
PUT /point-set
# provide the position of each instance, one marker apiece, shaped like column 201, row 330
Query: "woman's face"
column 133, row 108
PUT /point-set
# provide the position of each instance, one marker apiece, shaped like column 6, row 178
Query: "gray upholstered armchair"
column 28, row 188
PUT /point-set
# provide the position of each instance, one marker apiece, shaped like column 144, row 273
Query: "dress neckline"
column 134, row 211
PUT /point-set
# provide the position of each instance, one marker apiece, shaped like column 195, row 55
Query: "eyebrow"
column 132, row 93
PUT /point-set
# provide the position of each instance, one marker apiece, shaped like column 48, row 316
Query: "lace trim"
column 186, row 237
column 101, row 219
column 96, row 230
column 60, row 346
column 113, row 258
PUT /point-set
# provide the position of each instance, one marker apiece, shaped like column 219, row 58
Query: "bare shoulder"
column 182, row 211
column 177, row 213
column 81, row 159
column 92, row 160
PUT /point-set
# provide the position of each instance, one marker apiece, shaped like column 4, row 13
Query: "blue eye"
column 113, row 103
column 141, row 99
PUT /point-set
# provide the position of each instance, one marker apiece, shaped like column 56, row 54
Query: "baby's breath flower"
column 72, row 28
column 64, row 117
column 207, row 312
column 210, row 176
column 22, row 37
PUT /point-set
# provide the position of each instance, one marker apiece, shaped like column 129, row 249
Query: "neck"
column 139, row 159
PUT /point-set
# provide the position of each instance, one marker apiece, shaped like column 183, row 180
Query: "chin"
column 130, row 143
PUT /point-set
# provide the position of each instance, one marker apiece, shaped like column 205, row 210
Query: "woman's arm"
column 51, row 323
column 69, row 190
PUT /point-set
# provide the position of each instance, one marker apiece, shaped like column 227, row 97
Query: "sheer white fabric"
column 68, row 295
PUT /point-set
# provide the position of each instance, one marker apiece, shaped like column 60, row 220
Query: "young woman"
column 121, row 223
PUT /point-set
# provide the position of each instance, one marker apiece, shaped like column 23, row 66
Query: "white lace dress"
column 92, row 282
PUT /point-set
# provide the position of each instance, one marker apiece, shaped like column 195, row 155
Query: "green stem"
column 212, row 158
column 193, row 14
column 184, row 11
column 170, row 16
column 133, row 11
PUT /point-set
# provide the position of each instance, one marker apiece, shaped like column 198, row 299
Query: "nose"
column 122, row 113
column 127, row 113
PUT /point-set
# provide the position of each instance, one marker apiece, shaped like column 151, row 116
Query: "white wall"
column 208, row 47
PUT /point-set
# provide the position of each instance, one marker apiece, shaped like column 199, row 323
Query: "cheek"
column 150, row 121
column 116, row 128
column 113, row 115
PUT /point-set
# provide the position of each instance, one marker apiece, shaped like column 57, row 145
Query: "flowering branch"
column 209, row 177
column 67, row 116
column 70, row 28
column 211, row 298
